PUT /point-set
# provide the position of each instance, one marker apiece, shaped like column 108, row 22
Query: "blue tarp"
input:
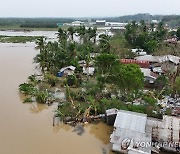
column 60, row 74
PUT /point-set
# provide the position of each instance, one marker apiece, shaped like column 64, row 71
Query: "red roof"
column 141, row 63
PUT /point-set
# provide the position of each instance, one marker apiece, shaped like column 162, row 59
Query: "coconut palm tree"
column 40, row 44
column 92, row 32
column 72, row 50
column 104, row 43
column 81, row 33
column 62, row 36
column 143, row 26
column 152, row 27
column 40, row 59
column 71, row 31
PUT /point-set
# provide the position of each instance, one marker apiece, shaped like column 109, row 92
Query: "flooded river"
column 49, row 34
column 27, row 128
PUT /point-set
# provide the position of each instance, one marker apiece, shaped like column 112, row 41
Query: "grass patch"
column 17, row 39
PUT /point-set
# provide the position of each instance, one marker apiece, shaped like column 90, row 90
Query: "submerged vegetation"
column 113, row 85
column 17, row 39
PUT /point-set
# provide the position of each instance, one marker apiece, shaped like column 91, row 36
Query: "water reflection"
column 49, row 34
column 62, row 126
column 37, row 108
column 101, row 131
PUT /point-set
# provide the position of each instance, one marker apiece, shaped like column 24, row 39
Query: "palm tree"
column 104, row 43
column 81, row 33
column 71, row 31
column 62, row 36
column 40, row 59
column 88, row 60
column 92, row 32
column 152, row 27
column 41, row 43
column 72, row 50
column 143, row 26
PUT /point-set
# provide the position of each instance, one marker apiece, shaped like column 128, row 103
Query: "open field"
column 17, row 39
column 18, row 28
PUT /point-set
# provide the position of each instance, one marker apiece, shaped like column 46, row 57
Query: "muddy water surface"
column 27, row 128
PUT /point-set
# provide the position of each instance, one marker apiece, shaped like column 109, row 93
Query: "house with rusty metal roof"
column 141, row 63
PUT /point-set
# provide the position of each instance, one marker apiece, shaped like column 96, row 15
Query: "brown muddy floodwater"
column 27, row 128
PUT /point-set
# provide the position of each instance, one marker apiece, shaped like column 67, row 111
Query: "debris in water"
column 79, row 129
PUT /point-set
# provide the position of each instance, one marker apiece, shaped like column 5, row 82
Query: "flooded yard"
column 27, row 128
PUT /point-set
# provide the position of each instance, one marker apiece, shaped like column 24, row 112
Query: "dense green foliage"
column 136, row 17
column 105, row 62
column 144, row 37
column 32, row 91
column 172, row 20
column 33, row 22
column 51, row 79
column 39, row 25
column 128, row 78
column 27, row 88
column 42, row 96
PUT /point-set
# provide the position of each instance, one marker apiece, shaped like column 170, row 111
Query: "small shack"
column 149, row 75
column 82, row 63
column 139, row 52
column 88, row 70
column 69, row 70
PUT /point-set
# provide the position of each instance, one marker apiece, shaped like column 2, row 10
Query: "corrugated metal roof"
column 67, row 68
column 171, row 58
column 119, row 135
column 131, row 121
column 149, row 73
column 159, row 59
column 166, row 130
column 149, row 58
column 141, row 63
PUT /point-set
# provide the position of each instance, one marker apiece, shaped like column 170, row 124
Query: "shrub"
column 71, row 80
column 42, row 96
column 51, row 79
column 27, row 88
column 28, row 100
column 149, row 100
